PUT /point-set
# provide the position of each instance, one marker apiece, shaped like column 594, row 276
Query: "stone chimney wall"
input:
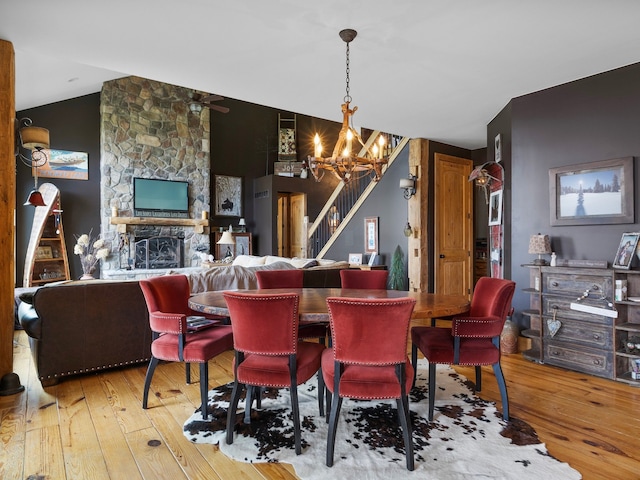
column 147, row 130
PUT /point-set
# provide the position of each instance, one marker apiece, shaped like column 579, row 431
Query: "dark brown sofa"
column 80, row 327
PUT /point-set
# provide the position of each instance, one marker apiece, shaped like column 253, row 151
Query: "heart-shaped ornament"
column 554, row 326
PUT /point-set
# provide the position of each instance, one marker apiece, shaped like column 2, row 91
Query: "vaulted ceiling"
column 435, row 69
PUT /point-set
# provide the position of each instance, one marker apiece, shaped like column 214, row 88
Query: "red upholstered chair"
column 268, row 353
column 367, row 279
column 167, row 301
column 369, row 358
column 292, row 279
column 472, row 339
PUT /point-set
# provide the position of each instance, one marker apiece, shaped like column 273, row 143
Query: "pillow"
column 272, row 259
column 303, row 262
column 248, row 260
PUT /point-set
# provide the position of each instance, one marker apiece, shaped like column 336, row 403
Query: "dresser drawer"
column 578, row 332
column 576, row 284
column 580, row 359
column 561, row 306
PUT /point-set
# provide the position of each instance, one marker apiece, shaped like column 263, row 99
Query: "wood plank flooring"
column 93, row 426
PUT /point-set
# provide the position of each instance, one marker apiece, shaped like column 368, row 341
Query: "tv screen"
column 160, row 198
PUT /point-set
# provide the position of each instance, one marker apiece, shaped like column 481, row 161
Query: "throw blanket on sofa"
column 228, row 278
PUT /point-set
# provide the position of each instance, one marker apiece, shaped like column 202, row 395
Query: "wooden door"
column 297, row 212
column 453, row 239
column 292, row 208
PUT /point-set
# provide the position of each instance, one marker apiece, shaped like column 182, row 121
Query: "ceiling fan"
column 198, row 101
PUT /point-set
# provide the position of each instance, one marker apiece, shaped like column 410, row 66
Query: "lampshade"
column 241, row 222
column 539, row 245
column 226, row 239
column 35, row 199
column 34, row 137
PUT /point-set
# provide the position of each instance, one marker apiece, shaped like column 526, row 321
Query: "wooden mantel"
column 122, row 222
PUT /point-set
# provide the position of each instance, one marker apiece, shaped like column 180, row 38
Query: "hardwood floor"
column 93, row 426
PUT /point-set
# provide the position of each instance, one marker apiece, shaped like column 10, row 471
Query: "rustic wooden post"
column 9, row 381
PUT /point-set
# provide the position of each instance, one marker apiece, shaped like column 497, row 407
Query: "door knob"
column 441, row 256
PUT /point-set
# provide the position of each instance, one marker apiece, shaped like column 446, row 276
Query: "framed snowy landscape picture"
column 596, row 193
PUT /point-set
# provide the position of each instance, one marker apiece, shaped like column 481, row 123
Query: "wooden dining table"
column 313, row 301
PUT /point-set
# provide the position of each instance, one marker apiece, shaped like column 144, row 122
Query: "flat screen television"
column 160, row 198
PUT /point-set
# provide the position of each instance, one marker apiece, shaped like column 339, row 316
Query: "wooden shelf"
column 122, row 222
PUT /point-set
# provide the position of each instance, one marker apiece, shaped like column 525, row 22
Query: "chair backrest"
column 262, row 323
column 167, row 293
column 369, row 279
column 492, row 298
column 280, row 278
column 370, row 331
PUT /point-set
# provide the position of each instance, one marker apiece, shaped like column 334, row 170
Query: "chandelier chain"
column 347, row 97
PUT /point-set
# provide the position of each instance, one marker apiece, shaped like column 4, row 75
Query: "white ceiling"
column 436, row 69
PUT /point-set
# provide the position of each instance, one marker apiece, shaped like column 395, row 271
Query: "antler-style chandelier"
column 482, row 178
column 345, row 162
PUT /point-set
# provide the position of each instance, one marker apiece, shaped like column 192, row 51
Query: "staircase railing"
column 345, row 201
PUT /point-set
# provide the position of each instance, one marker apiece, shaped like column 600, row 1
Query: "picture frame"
column 626, row 250
column 228, row 196
column 64, row 164
column 372, row 259
column 495, row 208
column 596, row 193
column 497, row 148
column 44, row 252
column 355, row 258
column 371, row 235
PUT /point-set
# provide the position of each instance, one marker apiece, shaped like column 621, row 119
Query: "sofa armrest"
column 29, row 320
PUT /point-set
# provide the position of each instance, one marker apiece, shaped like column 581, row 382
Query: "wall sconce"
column 539, row 245
column 483, row 179
column 408, row 231
column 409, row 186
column 35, row 139
column 334, row 219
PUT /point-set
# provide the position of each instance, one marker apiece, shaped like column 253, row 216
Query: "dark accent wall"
column 73, row 125
column 588, row 120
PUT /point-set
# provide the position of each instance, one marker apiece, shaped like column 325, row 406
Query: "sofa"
column 86, row 326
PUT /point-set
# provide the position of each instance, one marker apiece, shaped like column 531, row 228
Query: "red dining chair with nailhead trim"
column 364, row 279
column 292, row 279
column 369, row 359
column 167, row 299
column 268, row 352
column 472, row 339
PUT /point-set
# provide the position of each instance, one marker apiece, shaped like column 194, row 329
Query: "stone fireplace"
column 148, row 131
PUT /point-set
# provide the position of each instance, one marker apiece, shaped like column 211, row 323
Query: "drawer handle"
column 597, row 362
column 555, row 284
column 595, row 287
column 596, row 336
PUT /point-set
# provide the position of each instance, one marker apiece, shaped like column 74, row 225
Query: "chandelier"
column 345, row 162
column 483, row 179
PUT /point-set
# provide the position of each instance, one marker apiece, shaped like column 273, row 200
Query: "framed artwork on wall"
column 596, row 193
column 371, row 234
column 495, row 208
column 228, row 193
column 64, row 164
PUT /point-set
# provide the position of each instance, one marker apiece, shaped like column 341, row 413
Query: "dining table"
column 312, row 307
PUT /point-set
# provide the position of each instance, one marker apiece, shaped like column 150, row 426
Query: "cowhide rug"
column 467, row 438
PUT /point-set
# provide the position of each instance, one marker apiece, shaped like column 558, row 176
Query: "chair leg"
column 204, row 388
column 405, row 421
column 231, row 413
column 295, row 411
column 327, row 399
column 497, row 370
column 333, row 425
column 478, row 378
column 321, row 388
column 414, row 362
column 432, row 389
column 248, row 403
column 153, row 363
column 187, row 372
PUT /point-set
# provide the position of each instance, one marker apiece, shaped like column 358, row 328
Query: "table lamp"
column 539, row 245
column 228, row 240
